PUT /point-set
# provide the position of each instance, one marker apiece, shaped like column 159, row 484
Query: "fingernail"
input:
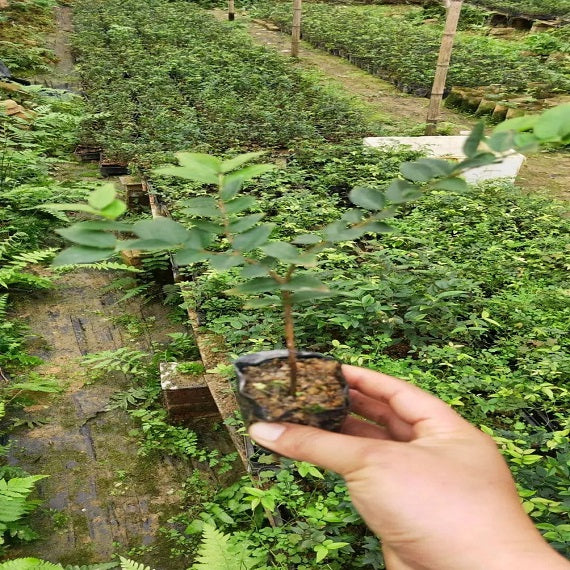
column 261, row 431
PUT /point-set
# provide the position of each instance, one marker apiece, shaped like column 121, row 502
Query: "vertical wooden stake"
column 453, row 13
column 296, row 28
column 231, row 10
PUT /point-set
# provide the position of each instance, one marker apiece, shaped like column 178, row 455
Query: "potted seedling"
column 287, row 385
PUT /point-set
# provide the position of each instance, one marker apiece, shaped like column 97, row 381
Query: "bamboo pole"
column 453, row 13
column 231, row 10
column 296, row 28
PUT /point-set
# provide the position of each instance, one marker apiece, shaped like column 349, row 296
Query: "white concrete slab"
column 452, row 149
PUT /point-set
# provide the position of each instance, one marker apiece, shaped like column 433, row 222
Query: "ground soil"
column 320, row 392
column 103, row 497
column 400, row 113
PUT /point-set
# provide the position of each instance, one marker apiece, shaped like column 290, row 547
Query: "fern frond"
column 105, row 566
column 29, row 564
column 101, row 266
column 217, row 551
column 132, row 565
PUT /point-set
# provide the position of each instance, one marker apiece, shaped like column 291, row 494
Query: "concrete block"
column 452, row 148
column 186, row 396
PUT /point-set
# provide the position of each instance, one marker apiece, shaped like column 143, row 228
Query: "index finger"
column 427, row 414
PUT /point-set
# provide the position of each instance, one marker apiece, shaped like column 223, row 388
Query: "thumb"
column 337, row 452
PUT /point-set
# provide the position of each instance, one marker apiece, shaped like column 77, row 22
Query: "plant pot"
column 263, row 382
column 86, row 153
column 112, row 168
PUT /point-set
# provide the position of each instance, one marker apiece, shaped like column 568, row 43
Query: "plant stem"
column 290, row 340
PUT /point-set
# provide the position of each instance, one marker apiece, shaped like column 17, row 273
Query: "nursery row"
column 544, row 9
column 162, row 75
column 399, row 50
column 23, row 27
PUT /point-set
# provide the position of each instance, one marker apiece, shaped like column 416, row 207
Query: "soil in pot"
column 321, row 399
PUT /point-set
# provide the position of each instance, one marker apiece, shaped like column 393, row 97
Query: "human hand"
column 433, row 487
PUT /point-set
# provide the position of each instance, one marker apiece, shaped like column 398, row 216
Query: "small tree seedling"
column 224, row 235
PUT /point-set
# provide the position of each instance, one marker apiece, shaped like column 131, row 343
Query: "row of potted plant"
column 405, row 53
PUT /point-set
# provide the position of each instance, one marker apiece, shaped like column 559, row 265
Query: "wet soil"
column 320, row 391
column 103, row 496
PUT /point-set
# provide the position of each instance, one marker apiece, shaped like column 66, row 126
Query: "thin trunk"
column 453, row 13
column 290, row 340
column 231, row 10
column 296, row 28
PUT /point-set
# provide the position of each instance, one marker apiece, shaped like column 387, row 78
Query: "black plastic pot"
column 252, row 411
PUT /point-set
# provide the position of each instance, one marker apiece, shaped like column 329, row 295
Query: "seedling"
column 224, row 235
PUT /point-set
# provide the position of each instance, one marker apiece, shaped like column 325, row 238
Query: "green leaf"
column 29, row 564
column 304, row 281
column 253, row 238
column 231, row 186
column 311, row 295
column 107, row 225
column 203, row 206
column 240, row 204
column 194, row 166
column 72, row 208
column 244, row 223
column 188, row 256
column 102, row 197
column 90, row 238
column 254, row 270
column 115, row 209
column 270, row 301
column 501, row 141
column 337, row 231
column 81, row 254
column 225, row 261
column 526, row 142
column 256, row 285
column 239, row 160
column 378, row 228
column 307, row 239
column 281, row 250
column 208, row 227
column 367, row 198
column 144, row 244
column 401, row 191
column 553, row 125
column 480, row 159
column 352, row 216
column 518, row 124
column 458, row 185
column 162, row 228
column 425, row 169
column 471, row 146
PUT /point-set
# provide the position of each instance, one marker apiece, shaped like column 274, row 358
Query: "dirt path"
column 103, row 497
column 63, row 74
column 403, row 114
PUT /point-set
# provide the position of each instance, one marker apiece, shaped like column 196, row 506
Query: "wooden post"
column 296, row 28
column 453, row 13
column 231, row 10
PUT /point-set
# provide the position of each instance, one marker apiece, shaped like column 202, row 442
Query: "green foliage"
column 15, row 504
column 124, row 360
column 219, row 551
column 318, row 522
column 383, row 45
column 547, row 9
column 209, row 86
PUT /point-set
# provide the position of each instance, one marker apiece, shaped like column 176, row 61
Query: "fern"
column 132, row 565
column 217, row 551
column 29, row 564
column 104, row 566
column 14, row 494
column 100, row 266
